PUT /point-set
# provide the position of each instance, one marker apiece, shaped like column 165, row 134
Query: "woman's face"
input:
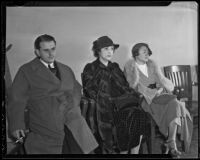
column 106, row 53
column 143, row 54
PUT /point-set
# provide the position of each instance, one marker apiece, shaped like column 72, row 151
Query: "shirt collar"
column 102, row 65
column 141, row 65
column 46, row 64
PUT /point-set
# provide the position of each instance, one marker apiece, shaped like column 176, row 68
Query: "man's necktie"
column 54, row 71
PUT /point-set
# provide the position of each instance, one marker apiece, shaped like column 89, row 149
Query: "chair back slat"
column 196, row 68
column 180, row 75
column 176, row 78
column 186, row 79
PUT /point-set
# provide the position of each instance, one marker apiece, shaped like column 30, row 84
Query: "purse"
column 125, row 101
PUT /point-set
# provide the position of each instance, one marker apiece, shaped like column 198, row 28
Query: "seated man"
column 52, row 94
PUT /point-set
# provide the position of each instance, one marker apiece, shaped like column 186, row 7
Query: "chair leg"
column 90, row 117
column 84, row 107
column 149, row 141
column 149, row 134
column 149, row 144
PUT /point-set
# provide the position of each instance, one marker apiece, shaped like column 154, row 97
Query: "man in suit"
column 50, row 92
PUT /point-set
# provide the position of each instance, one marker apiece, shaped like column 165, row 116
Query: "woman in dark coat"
column 103, row 80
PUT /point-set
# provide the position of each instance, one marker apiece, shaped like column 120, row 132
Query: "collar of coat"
column 65, row 73
column 131, row 72
column 110, row 65
column 36, row 63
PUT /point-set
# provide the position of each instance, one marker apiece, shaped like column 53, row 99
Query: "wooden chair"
column 197, row 74
column 88, row 110
column 180, row 75
column 181, row 78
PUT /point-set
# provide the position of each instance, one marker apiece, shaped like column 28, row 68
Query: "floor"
column 193, row 151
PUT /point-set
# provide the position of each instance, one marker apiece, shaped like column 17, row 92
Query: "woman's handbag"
column 125, row 101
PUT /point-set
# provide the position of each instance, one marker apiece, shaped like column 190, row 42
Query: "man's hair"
column 43, row 38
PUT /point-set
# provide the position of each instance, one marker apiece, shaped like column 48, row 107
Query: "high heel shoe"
column 170, row 148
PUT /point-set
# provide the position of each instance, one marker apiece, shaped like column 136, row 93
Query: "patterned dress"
column 101, row 82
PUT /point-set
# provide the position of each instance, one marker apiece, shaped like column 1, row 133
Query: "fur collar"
column 132, row 74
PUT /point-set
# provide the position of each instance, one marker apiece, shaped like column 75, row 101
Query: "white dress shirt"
column 46, row 64
column 143, row 68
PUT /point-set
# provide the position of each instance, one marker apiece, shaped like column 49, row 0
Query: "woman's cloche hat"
column 104, row 41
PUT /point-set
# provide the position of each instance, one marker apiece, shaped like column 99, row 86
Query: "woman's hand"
column 159, row 91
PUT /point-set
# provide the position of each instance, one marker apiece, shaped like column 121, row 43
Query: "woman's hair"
column 43, row 38
column 95, row 49
column 135, row 49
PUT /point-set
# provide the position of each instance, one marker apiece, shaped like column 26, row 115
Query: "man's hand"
column 19, row 135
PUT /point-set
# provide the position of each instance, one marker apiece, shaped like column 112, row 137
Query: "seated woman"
column 171, row 116
column 102, row 80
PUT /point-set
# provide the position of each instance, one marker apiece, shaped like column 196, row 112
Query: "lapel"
column 66, row 76
column 43, row 72
column 67, row 80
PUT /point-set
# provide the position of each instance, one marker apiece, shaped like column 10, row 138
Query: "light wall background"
column 171, row 33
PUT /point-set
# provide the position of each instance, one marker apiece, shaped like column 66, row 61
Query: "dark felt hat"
column 104, row 41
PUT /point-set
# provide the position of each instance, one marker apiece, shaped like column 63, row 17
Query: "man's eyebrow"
column 46, row 49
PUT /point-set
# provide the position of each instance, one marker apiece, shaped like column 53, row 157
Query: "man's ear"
column 37, row 53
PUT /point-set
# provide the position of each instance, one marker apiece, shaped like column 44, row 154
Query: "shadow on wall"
column 76, row 55
column 121, row 55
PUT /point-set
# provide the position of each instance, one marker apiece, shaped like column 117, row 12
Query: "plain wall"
column 171, row 33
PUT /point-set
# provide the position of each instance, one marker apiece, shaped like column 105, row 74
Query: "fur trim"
column 132, row 74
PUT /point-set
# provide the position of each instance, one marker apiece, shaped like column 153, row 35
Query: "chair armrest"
column 194, row 83
column 15, row 148
column 83, row 98
column 85, row 104
column 178, row 92
column 88, row 111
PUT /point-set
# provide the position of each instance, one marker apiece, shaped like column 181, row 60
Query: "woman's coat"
column 100, row 83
